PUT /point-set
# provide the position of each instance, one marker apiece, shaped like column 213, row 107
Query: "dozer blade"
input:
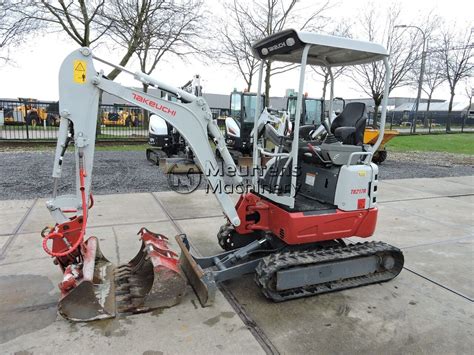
column 203, row 283
column 98, row 290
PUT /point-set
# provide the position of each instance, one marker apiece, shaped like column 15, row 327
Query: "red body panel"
column 298, row 228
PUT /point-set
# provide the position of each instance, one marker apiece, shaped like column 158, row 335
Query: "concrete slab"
column 108, row 210
column 437, row 186
column 28, row 301
column 450, row 264
column 40, row 266
column 25, row 247
column 13, row 211
column 126, row 208
column 465, row 180
column 31, row 325
column 3, row 240
column 202, row 234
column 193, row 205
column 402, row 228
column 107, row 242
column 128, row 241
column 399, row 192
column 444, row 210
column 38, row 218
column 468, row 199
column 406, row 315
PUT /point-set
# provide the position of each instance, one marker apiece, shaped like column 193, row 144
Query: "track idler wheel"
column 229, row 239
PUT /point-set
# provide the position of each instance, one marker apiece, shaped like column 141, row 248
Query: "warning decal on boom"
column 80, row 69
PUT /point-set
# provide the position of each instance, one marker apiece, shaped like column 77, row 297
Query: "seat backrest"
column 352, row 112
column 353, row 115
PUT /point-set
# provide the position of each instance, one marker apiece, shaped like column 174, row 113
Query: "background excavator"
column 289, row 229
column 312, row 111
column 240, row 122
column 164, row 140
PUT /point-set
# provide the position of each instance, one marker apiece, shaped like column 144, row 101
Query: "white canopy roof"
column 288, row 45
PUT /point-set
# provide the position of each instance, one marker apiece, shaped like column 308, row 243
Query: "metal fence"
column 430, row 122
column 37, row 120
column 28, row 119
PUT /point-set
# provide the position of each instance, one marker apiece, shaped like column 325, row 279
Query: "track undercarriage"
column 284, row 271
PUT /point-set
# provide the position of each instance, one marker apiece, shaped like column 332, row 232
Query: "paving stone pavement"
column 428, row 308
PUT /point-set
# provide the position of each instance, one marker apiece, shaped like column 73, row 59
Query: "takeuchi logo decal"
column 154, row 104
column 289, row 42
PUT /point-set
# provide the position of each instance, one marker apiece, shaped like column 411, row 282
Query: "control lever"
column 325, row 123
column 330, row 138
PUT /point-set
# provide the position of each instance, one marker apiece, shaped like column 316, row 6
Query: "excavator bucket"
column 88, row 293
column 98, row 290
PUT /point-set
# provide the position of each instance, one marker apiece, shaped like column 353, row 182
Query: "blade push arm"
column 80, row 86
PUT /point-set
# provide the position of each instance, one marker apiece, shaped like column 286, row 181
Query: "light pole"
column 422, row 71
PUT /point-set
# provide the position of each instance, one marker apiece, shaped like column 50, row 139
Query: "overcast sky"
column 35, row 66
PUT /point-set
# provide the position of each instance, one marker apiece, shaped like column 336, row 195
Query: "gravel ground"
column 26, row 174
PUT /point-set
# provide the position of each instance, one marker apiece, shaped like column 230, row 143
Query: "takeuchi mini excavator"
column 240, row 122
column 312, row 112
column 290, row 230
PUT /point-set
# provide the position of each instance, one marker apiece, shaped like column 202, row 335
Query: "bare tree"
column 433, row 77
column 80, row 20
column 13, row 29
column 458, row 61
column 87, row 22
column 128, row 19
column 404, row 47
column 469, row 91
column 263, row 18
column 236, row 37
column 324, row 73
column 170, row 28
column 343, row 30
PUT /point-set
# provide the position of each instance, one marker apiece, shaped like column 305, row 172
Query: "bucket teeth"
column 152, row 279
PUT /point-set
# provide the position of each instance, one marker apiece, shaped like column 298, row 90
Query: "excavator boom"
column 92, row 287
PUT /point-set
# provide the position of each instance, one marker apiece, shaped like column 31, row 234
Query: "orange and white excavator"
column 318, row 187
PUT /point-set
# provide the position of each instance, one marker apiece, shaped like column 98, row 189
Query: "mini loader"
column 289, row 229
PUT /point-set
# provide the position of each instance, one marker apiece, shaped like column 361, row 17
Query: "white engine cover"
column 357, row 187
column 158, row 126
column 232, row 126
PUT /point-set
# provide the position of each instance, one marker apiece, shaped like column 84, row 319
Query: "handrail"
column 270, row 154
column 359, row 153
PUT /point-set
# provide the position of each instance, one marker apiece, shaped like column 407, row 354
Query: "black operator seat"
column 349, row 125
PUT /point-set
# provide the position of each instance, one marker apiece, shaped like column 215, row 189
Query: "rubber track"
column 267, row 269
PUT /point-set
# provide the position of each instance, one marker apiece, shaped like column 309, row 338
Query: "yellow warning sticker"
column 362, row 173
column 80, row 70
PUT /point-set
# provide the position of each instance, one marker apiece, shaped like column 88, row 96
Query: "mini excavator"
column 318, row 188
